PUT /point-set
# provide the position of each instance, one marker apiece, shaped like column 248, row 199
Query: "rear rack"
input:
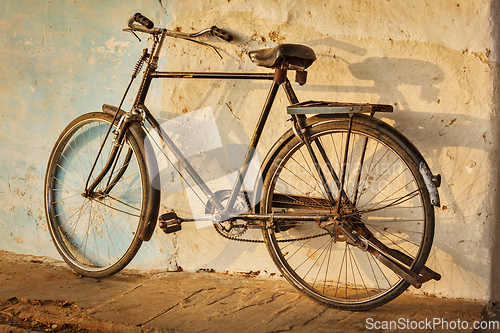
column 319, row 107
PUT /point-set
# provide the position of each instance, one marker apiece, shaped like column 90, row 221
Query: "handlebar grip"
column 138, row 17
column 221, row 34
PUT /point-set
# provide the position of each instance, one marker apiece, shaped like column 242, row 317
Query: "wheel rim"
column 389, row 205
column 92, row 234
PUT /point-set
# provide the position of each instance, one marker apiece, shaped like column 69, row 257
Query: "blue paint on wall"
column 58, row 59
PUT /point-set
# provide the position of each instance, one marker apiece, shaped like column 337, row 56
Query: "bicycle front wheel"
column 385, row 203
column 96, row 236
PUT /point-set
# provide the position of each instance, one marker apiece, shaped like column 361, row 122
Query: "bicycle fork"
column 111, row 164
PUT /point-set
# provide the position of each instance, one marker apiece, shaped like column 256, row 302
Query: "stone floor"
column 42, row 294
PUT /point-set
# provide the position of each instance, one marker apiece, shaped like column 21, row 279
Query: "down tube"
column 182, row 159
column 251, row 149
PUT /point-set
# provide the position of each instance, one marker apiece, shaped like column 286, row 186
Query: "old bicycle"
column 345, row 205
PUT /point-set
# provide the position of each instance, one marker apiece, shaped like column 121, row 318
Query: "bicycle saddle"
column 289, row 56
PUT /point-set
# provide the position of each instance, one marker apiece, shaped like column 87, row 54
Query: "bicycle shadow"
column 439, row 136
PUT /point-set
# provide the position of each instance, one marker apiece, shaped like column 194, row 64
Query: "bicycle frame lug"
column 331, row 227
column 217, row 218
column 139, row 114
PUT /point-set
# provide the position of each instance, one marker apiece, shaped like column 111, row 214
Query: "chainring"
column 233, row 228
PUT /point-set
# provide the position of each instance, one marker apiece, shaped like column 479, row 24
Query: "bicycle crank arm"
column 170, row 222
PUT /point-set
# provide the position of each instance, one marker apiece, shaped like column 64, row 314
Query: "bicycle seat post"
column 280, row 75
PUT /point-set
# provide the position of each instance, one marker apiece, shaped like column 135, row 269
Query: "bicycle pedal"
column 169, row 222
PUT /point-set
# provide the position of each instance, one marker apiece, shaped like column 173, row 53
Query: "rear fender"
column 414, row 154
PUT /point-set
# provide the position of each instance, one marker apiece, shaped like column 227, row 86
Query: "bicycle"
column 345, row 205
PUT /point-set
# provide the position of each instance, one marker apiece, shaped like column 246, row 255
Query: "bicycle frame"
column 331, row 213
column 278, row 78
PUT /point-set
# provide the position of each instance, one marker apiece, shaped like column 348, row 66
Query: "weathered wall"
column 435, row 62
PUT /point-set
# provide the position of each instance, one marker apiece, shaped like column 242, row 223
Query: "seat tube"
column 279, row 78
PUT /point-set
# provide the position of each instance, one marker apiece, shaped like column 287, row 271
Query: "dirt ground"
column 40, row 294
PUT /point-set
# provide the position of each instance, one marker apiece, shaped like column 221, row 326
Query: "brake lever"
column 201, row 33
column 132, row 32
column 184, row 36
column 205, row 44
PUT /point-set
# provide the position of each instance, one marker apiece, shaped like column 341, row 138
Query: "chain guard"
column 224, row 231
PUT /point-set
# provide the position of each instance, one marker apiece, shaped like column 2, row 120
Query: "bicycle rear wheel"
column 96, row 236
column 386, row 203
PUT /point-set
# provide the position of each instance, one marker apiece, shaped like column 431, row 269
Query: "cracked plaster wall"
column 435, row 62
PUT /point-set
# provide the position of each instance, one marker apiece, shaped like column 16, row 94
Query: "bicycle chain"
column 244, row 240
column 262, row 241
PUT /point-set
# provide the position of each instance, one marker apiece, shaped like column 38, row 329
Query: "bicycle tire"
column 398, row 212
column 96, row 237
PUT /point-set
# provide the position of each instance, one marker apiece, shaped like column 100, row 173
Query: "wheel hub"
column 348, row 217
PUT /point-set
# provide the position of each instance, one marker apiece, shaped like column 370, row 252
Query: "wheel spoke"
column 97, row 236
column 389, row 206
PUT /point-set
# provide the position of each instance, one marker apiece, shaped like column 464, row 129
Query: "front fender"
column 149, row 216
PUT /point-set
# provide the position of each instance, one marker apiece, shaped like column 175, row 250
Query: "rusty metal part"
column 425, row 273
column 257, row 221
column 279, row 75
column 333, row 227
column 301, row 77
column 432, row 182
column 400, row 270
column 321, row 107
column 231, row 228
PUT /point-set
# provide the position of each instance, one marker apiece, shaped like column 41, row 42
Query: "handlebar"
column 138, row 17
column 147, row 26
column 221, row 34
